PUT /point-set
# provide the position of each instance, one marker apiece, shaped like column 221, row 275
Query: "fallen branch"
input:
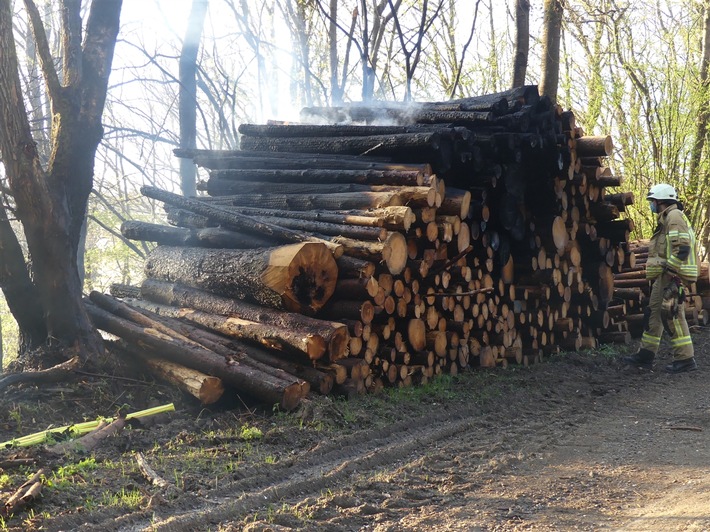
column 16, row 462
column 24, row 495
column 150, row 474
column 90, row 441
column 54, row 374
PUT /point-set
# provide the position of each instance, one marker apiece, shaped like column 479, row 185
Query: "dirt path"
column 574, row 445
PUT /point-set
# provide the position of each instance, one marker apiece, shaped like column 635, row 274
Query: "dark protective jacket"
column 673, row 247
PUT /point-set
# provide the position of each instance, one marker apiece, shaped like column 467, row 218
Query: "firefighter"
column 672, row 264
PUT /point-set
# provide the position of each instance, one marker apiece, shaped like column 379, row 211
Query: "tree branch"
column 101, row 33
column 54, row 87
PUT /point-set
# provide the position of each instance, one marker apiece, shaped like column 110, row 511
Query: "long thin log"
column 256, row 160
column 311, row 202
column 325, row 130
column 254, row 382
column 399, row 218
column 323, row 176
column 230, row 348
column 370, row 145
column 318, row 380
column 249, row 154
column 334, row 335
column 213, row 237
column 274, row 337
column 231, row 220
column 297, row 277
column 393, row 251
column 226, row 187
column 318, row 227
column 90, row 441
column 350, row 267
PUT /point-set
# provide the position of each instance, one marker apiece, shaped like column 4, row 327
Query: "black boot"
column 680, row 366
column 642, row 359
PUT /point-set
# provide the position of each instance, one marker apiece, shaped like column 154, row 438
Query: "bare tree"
column 415, row 38
column 522, row 41
column 188, row 92
column 552, row 27
column 51, row 198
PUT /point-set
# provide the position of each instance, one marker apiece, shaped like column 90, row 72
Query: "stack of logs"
column 631, row 292
column 409, row 240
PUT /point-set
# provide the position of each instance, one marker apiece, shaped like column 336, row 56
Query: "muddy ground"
column 575, row 443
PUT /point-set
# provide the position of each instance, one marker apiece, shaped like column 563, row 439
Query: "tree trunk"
column 187, row 103
column 522, row 41
column 552, row 27
column 298, row 277
column 51, row 202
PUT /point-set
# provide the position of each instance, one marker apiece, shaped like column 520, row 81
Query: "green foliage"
column 248, row 433
column 79, row 468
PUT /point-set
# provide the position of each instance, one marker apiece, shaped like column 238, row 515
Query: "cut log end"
column 338, row 343
column 304, row 274
column 395, row 253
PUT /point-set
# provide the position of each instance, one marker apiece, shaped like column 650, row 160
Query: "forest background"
column 636, row 70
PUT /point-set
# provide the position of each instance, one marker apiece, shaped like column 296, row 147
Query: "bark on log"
column 398, row 218
column 600, row 146
column 231, row 220
column 370, row 145
column 298, row 277
column 274, row 337
column 212, row 237
column 334, row 335
column 341, row 130
column 311, row 202
column 206, row 388
column 393, row 251
column 121, row 290
column 255, row 160
column 226, row 187
column 323, row 176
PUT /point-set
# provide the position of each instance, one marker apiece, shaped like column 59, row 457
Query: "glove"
column 673, row 295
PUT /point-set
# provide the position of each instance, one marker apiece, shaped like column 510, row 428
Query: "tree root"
column 54, row 374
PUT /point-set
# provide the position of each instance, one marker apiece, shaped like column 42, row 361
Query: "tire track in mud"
column 395, row 447
column 528, row 416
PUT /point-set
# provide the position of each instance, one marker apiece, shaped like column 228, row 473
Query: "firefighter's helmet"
column 662, row 192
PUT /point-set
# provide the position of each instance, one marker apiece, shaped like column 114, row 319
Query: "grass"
column 126, row 498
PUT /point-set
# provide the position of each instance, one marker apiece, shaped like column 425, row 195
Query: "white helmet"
column 662, row 192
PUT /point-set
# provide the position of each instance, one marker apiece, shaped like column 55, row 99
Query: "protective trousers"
column 681, row 343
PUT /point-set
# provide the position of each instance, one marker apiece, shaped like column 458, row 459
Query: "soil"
column 578, row 442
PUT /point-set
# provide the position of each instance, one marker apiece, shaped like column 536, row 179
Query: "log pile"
column 432, row 237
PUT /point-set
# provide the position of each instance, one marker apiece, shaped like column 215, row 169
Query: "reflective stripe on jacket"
column 673, row 232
